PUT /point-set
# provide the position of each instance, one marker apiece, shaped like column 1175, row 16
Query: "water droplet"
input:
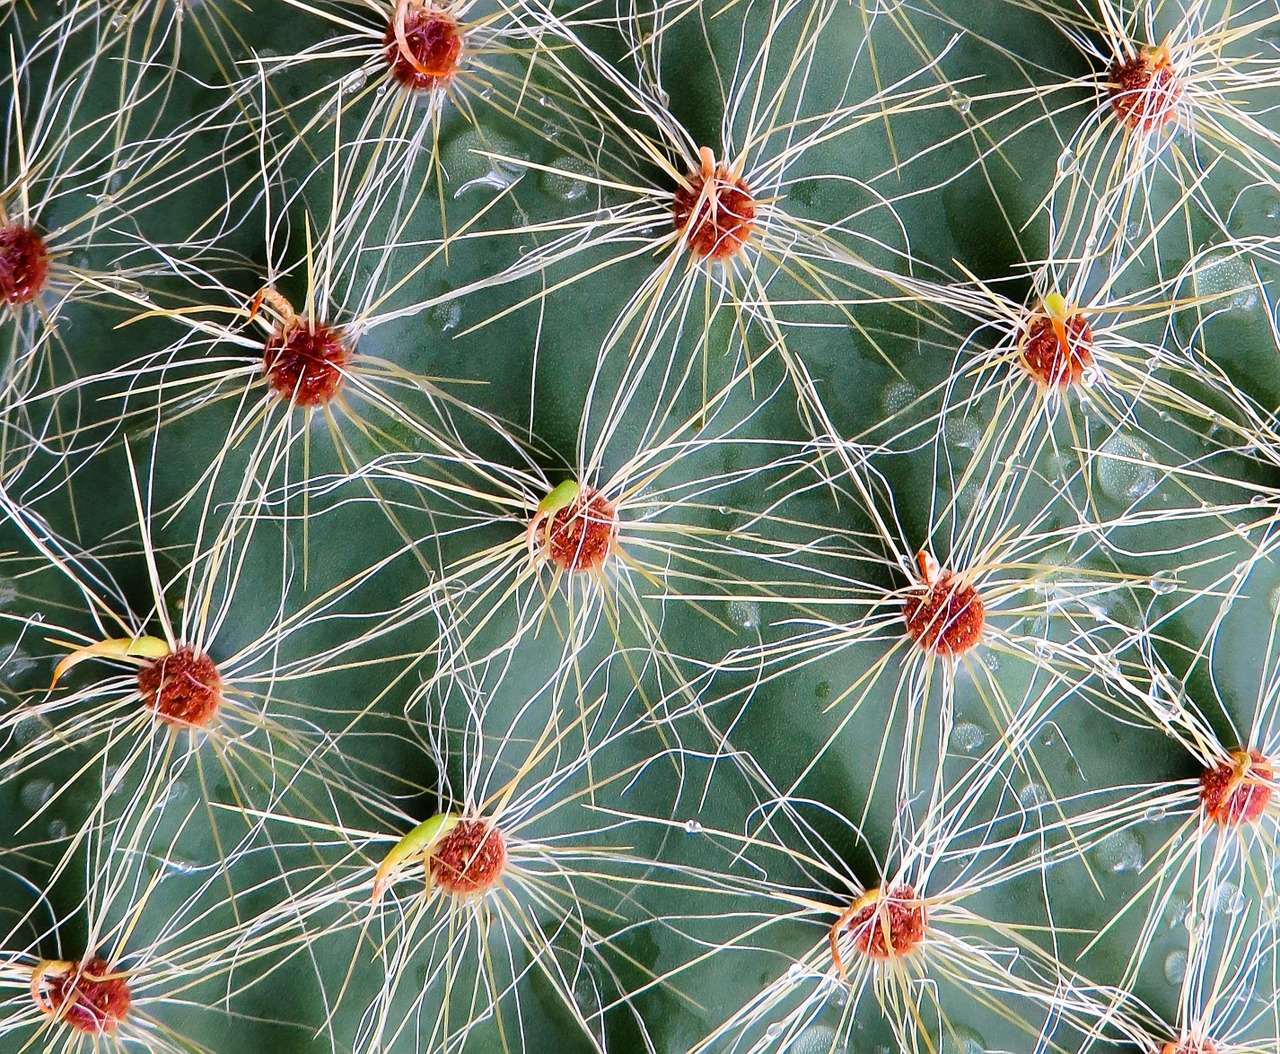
column 818, row 1039
column 1120, row 853
column 1175, row 966
column 1228, row 900
column 968, row 737
column 28, row 730
column 34, row 793
column 464, row 158
column 794, row 972
column 744, row 613
column 564, row 183
column 960, row 1039
column 1067, row 161
column 692, row 827
column 586, row 994
column 1223, row 272
column 1033, row 795
column 445, row 316
column 57, row 829
column 1124, row 470
column 773, row 1031
column 1164, row 582
column 14, row 662
column 897, row 396
column 964, row 432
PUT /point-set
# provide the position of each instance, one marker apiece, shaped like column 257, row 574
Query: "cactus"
column 639, row 525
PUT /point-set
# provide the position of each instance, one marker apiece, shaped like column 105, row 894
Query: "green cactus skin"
column 901, row 379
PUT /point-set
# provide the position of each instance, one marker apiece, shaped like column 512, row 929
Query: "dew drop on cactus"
column 304, row 361
column 561, row 182
column 1239, row 791
column 714, row 211
column 581, row 535
column 897, row 396
column 34, row 793
column 745, row 614
column 89, row 997
column 1121, row 853
column 963, row 433
column 1034, row 795
column 24, row 264
column 1228, row 899
column 183, row 688
column 1125, row 469
column 968, row 737
column 1215, row 275
column 945, row 615
column 469, row 859
column 422, row 45
column 886, row 925
column 1145, row 90
column 1057, row 348
column 818, row 1039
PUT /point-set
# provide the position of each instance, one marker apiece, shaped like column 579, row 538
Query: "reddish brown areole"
column 889, row 924
column 304, row 361
column 91, row 998
column 432, row 45
column 1145, row 90
column 183, row 688
column 1188, row 1047
column 469, row 859
column 715, row 226
column 24, row 264
column 581, row 536
column 946, row 617
column 1239, row 791
column 1057, row 352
